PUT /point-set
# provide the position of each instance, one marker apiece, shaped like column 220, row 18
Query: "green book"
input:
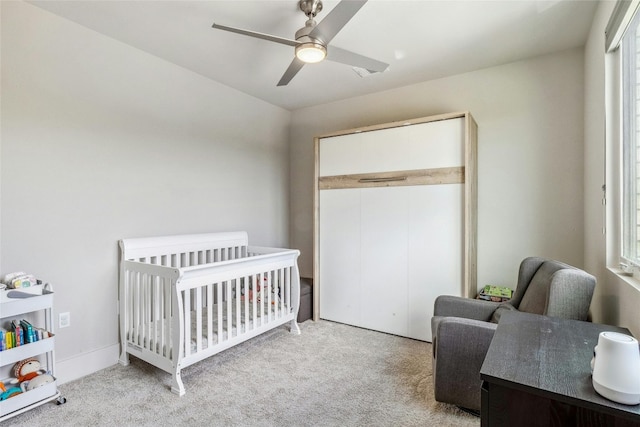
column 497, row 291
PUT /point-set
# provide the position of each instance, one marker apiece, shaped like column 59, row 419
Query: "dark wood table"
column 537, row 373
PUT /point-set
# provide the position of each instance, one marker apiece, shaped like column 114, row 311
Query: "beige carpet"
column 330, row 375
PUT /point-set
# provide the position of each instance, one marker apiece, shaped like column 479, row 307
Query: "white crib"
column 185, row 298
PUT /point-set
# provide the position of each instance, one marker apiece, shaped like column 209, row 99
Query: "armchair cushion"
column 495, row 317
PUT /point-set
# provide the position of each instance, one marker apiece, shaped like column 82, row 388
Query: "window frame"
column 618, row 257
column 629, row 60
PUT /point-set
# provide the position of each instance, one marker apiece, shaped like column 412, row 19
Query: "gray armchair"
column 462, row 328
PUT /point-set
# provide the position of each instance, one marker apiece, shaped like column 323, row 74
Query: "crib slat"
column 277, row 295
column 187, row 323
column 130, row 309
column 273, row 308
column 143, row 310
column 162, row 315
column 146, row 315
column 127, row 307
column 152, row 337
column 136, row 298
column 264, row 314
column 276, row 302
column 229, row 316
column 149, row 338
column 210, row 315
column 198, row 313
column 168, row 342
column 254, row 300
column 238, row 300
column 246, row 302
column 281, row 290
column 268, row 299
column 259, row 302
column 219, row 310
column 157, row 314
column 288, row 289
column 274, row 294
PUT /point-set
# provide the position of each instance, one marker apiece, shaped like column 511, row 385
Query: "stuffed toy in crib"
column 275, row 291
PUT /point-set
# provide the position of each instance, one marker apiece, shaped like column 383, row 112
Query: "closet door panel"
column 419, row 146
column 435, row 254
column 340, row 155
column 339, row 256
column 385, row 150
column 384, row 237
column 436, row 144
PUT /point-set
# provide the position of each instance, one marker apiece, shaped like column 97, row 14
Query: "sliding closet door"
column 341, row 256
column 391, row 225
column 434, row 261
column 383, row 264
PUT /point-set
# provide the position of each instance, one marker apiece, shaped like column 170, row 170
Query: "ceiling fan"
column 311, row 41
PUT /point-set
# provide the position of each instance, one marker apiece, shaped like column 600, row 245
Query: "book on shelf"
column 21, row 332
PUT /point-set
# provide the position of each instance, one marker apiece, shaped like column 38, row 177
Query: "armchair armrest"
column 460, row 346
column 447, row 305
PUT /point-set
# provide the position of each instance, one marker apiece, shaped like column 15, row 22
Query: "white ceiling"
column 420, row 39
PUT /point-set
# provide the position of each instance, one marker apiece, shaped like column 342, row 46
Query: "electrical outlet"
column 64, row 320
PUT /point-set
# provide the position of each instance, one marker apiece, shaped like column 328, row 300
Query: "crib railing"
column 238, row 297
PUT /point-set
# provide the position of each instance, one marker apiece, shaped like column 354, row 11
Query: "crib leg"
column 177, row 387
column 124, row 357
column 294, row 328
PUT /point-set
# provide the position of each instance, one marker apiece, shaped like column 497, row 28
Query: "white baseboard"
column 86, row 363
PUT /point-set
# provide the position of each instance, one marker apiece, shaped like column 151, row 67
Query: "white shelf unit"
column 40, row 300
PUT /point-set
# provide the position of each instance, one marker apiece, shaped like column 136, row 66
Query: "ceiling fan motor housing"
column 302, row 35
column 310, row 7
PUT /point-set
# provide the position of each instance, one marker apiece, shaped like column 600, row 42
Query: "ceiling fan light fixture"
column 311, row 52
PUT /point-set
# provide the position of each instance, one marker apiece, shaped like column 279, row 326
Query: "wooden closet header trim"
column 463, row 114
column 452, row 175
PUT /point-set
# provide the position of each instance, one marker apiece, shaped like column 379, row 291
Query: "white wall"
column 530, row 127
column 615, row 301
column 101, row 141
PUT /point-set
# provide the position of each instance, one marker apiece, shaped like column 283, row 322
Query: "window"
column 630, row 78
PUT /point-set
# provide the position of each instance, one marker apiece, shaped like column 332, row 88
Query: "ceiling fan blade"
column 255, row 34
column 295, row 66
column 343, row 56
column 327, row 29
